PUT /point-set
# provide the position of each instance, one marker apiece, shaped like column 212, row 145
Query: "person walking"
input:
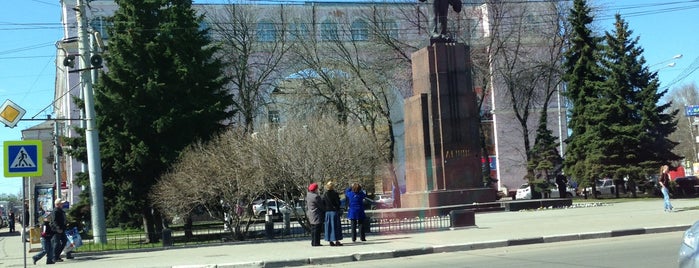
column 46, row 247
column 355, row 200
column 59, row 227
column 315, row 213
column 562, row 183
column 664, row 182
column 11, row 219
column 333, row 227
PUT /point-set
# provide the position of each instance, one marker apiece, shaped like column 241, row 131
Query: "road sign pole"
column 57, row 158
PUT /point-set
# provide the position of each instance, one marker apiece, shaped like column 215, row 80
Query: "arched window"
column 328, row 31
column 266, row 32
column 360, row 30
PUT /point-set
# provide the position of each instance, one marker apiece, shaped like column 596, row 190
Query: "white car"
column 689, row 248
column 383, row 201
column 603, row 187
column 524, row 192
column 276, row 206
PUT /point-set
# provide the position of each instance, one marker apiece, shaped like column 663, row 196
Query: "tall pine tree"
column 164, row 89
column 583, row 77
column 636, row 128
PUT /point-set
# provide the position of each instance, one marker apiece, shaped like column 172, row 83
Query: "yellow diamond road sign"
column 11, row 113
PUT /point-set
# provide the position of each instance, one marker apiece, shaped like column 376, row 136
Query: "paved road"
column 498, row 229
column 651, row 250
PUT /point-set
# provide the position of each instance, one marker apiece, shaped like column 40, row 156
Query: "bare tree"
column 236, row 168
column 526, row 46
column 687, row 130
column 255, row 50
column 351, row 76
column 216, row 176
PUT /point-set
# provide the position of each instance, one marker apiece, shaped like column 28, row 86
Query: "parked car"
column 276, row 206
column 689, row 248
column 685, row 186
column 603, row 187
column 383, row 201
column 524, row 192
column 369, row 204
column 650, row 185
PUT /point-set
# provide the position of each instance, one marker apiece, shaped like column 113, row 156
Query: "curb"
column 444, row 248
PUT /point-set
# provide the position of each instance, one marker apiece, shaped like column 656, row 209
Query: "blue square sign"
column 22, row 158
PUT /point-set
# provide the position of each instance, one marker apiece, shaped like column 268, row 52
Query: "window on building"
column 274, row 117
column 328, row 31
column 360, row 30
column 531, row 23
column 298, row 31
column 266, row 32
column 204, row 26
column 100, row 24
column 391, row 27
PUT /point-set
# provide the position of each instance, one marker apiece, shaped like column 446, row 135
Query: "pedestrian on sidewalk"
column 333, row 212
column 355, row 200
column 59, row 225
column 315, row 213
column 664, row 182
column 11, row 218
column 46, row 237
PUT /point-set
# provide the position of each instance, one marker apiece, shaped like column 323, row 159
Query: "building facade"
column 404, row 25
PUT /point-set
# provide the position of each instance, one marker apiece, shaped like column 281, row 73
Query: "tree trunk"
column 188, row 226
column 149, row 226
column 632, row 187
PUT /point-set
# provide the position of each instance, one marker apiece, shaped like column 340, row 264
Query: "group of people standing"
column 53, row 237
column 324, row 213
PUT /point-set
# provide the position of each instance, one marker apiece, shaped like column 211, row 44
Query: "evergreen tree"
column 163, row 90
column 583, row 77
column 636, row 128
column 623, row 63
column 544, row 157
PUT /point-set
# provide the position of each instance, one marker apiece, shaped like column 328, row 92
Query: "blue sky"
column 30, row 28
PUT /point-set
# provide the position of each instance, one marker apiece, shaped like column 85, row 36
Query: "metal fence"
column 276, row 230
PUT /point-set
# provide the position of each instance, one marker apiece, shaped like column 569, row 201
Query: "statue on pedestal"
column 440, row 9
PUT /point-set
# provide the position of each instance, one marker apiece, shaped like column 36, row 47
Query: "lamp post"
column 669, row 65
column 678, row 56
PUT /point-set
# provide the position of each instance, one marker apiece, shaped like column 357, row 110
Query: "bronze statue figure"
column 440, row 9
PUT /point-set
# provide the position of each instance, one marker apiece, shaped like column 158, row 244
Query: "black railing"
column 261, row 231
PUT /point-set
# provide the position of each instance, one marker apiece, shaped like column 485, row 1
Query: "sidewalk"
column 498, row 229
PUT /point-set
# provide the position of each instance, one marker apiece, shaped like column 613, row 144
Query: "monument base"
column 447, row 197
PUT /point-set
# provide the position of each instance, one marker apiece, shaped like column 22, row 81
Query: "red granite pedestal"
column 442, row 140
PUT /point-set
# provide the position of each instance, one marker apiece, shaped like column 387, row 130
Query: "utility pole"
column 99, row 230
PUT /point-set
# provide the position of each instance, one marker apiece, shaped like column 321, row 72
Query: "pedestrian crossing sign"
column 22, row 158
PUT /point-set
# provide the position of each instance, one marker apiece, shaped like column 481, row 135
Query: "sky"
column 30, row 29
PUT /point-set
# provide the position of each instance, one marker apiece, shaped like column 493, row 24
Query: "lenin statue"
column 440, row 9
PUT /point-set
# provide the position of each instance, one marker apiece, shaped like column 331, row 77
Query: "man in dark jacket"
column 11, row 218
column 59, row 227
column 315, row 213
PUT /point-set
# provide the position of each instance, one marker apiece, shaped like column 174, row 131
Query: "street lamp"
column 669, row 65
column 678, row 56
